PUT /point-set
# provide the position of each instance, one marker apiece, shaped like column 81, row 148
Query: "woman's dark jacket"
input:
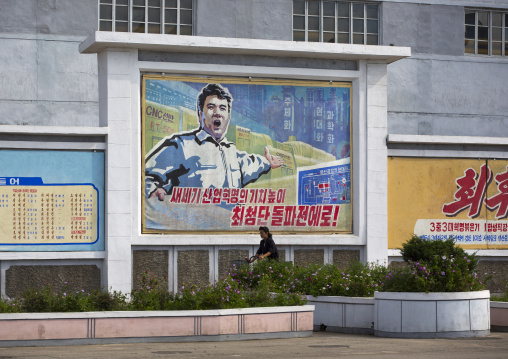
column 268, row 246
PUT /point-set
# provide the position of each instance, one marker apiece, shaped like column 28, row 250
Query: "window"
column 347, row 22
column 486, row 32
column 146, row 16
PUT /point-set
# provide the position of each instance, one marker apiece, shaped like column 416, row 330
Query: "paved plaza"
column 320, row 345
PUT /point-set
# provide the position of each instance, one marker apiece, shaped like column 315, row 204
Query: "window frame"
column 146, row 23
column 490, row 41
column 351, row 33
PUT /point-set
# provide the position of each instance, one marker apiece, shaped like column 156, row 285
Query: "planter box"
column 343, row 314
column 499, row 316
column 432, row 315
column 155, row 326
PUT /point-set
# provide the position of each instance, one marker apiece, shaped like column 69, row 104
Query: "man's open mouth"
column 217, row 123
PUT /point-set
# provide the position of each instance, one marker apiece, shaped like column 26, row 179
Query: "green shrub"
column 233, row 292
column 152, row 294
column 227, row 292
column 47, row 299
column 434, row 266
column 356, row 280
column 11, row 305
column 420, row 250
column 104, row 301
column 223, row 294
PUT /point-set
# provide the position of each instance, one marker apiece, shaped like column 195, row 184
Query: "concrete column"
column 115, row 111
column 377, row 175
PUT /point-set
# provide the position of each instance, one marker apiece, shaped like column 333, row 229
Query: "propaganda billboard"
column 230, row 154
column 436, row 198
column 51, row 200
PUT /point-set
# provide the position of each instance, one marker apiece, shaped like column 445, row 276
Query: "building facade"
column 404, row 100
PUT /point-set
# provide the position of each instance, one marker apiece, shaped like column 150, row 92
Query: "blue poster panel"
column 224, row 154
column 51, row 200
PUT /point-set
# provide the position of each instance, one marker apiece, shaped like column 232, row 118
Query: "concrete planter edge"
column 343, row 314
column 432, row 315
column 44, row 329
column 499, row 316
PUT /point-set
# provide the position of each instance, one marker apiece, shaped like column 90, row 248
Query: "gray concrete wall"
column 44, row 80
column 436, row 96
column 436, row 29
column 439, row 90
column 247, row 60
column 254, row 19
column 55, row 17
column 494, row 4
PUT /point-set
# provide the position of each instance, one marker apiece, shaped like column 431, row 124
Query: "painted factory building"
column 344, row 126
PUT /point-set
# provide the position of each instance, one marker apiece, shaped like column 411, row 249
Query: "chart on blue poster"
column 327, row 184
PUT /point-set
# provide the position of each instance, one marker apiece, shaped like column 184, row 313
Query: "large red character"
column 500, row 200
column 470, row 193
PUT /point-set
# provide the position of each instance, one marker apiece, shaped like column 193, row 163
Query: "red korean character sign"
column 438, row 198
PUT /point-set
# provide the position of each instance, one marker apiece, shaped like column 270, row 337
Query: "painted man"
column 204, row 157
